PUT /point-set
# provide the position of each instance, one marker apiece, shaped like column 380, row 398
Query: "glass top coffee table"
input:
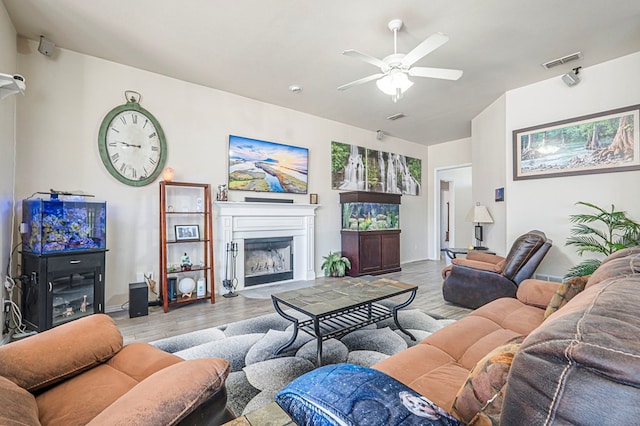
column 339, row 308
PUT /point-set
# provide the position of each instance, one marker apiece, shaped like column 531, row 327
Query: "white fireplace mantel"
column 237, row 221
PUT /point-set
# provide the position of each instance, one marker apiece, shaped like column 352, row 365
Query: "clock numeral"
column 152, row 161
column 113, row 144
column 115, row 157
column 146, row 172
column 155, row 148
column 145, row 123
column 152, row 135
column 115, row 130
column 134, row 117
column 124, row 120
column 133, row 172
column 123, row 167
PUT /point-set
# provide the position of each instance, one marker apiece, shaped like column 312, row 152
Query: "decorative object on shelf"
column 11, row 85
column 479, row 214
column 597, row 143
column 335, row 265
column 261, row 166
column 132, row 144
column 201, row 287
column 186, row 286
column 172, row 288
column 313, row 198
column 222, row 194
column 361, row 169
column 187, row 232
column 230, row 283
column 185, row 262
column 167, row 174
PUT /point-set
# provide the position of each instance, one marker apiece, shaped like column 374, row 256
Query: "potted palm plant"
column 335, row 265
column 601, row 231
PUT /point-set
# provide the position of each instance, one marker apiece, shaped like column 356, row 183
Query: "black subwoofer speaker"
column 138, row 300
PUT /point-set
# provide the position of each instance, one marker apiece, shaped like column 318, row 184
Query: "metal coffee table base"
column 336, row 324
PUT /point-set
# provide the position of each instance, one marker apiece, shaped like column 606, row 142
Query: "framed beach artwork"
column 256, row 165
column 598, row 143
column 354, row 168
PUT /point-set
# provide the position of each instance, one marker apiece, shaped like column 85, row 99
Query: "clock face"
column 132, row 145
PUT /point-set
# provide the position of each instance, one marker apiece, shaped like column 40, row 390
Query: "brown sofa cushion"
column 479, row 401
column 564, row 293
column 581, row 365
column 619, row 263
column 190, row 383
column 69, row 350
column 96, row 389
column 18, row 406
column 536, row 293
column 521, row 251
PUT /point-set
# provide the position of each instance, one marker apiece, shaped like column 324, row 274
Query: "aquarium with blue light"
column 369, row 211
column 62, row 224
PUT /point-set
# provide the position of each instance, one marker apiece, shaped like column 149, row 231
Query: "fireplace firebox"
column 268, row 260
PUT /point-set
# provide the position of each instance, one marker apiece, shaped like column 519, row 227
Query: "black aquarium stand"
column 61, row 287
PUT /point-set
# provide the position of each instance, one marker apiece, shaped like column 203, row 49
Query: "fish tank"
column 370, row 211
column 63, row 224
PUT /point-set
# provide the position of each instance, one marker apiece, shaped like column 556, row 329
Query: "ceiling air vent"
column 396, row 116
column 559, row 61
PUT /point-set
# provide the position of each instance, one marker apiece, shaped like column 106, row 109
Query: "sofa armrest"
column 536, row 293
column 168, row 396
column 61, row 352
column 484, row 257
column 478, row 264
column 472, row 287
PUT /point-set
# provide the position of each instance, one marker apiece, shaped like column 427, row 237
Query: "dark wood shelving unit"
column 168, row 243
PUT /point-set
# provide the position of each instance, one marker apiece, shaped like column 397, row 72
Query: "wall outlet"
column 140, row 276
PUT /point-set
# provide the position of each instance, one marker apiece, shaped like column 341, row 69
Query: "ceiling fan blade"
column 443, row 73
column 423, row 49
column 361, row 81
column 366, row 58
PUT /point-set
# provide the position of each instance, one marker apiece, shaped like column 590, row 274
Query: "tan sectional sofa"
column 80, row 373
column 579, row 366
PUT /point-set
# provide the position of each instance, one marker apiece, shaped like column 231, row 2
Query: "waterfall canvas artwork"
column 355, row 168
column 261, row 166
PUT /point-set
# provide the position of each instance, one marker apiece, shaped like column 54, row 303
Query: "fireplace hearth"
column 267, row 260
column 246, row 222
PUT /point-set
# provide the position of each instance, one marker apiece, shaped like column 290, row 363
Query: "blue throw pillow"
column 346, row 394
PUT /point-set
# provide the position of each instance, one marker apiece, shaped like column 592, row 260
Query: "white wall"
column 546, row 204
column 441, row 156
column 69, row 95
column 7, row 114
column 489, row 173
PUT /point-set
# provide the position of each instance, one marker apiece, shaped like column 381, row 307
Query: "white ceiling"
column 258, row 48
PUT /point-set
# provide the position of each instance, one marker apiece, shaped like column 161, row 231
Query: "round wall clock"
column 132, row 144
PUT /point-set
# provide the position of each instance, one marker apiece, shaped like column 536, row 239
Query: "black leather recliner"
column 480, row 277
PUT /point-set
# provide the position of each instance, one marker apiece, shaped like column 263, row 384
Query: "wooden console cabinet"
column 370, row 232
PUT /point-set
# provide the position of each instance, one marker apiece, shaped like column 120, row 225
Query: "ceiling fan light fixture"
column 394, row 84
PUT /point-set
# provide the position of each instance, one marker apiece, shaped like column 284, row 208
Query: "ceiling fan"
column 395, row 69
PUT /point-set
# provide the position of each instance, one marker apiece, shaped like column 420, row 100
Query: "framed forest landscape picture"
column 598, row 143
column 262, row 166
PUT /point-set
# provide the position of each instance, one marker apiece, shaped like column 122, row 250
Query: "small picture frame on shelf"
column 313, row 198
column 187, row 232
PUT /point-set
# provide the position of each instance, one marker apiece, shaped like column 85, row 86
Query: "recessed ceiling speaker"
column 46, row 46
column 571, row 78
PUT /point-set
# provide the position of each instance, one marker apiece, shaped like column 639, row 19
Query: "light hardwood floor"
column 179, row 320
